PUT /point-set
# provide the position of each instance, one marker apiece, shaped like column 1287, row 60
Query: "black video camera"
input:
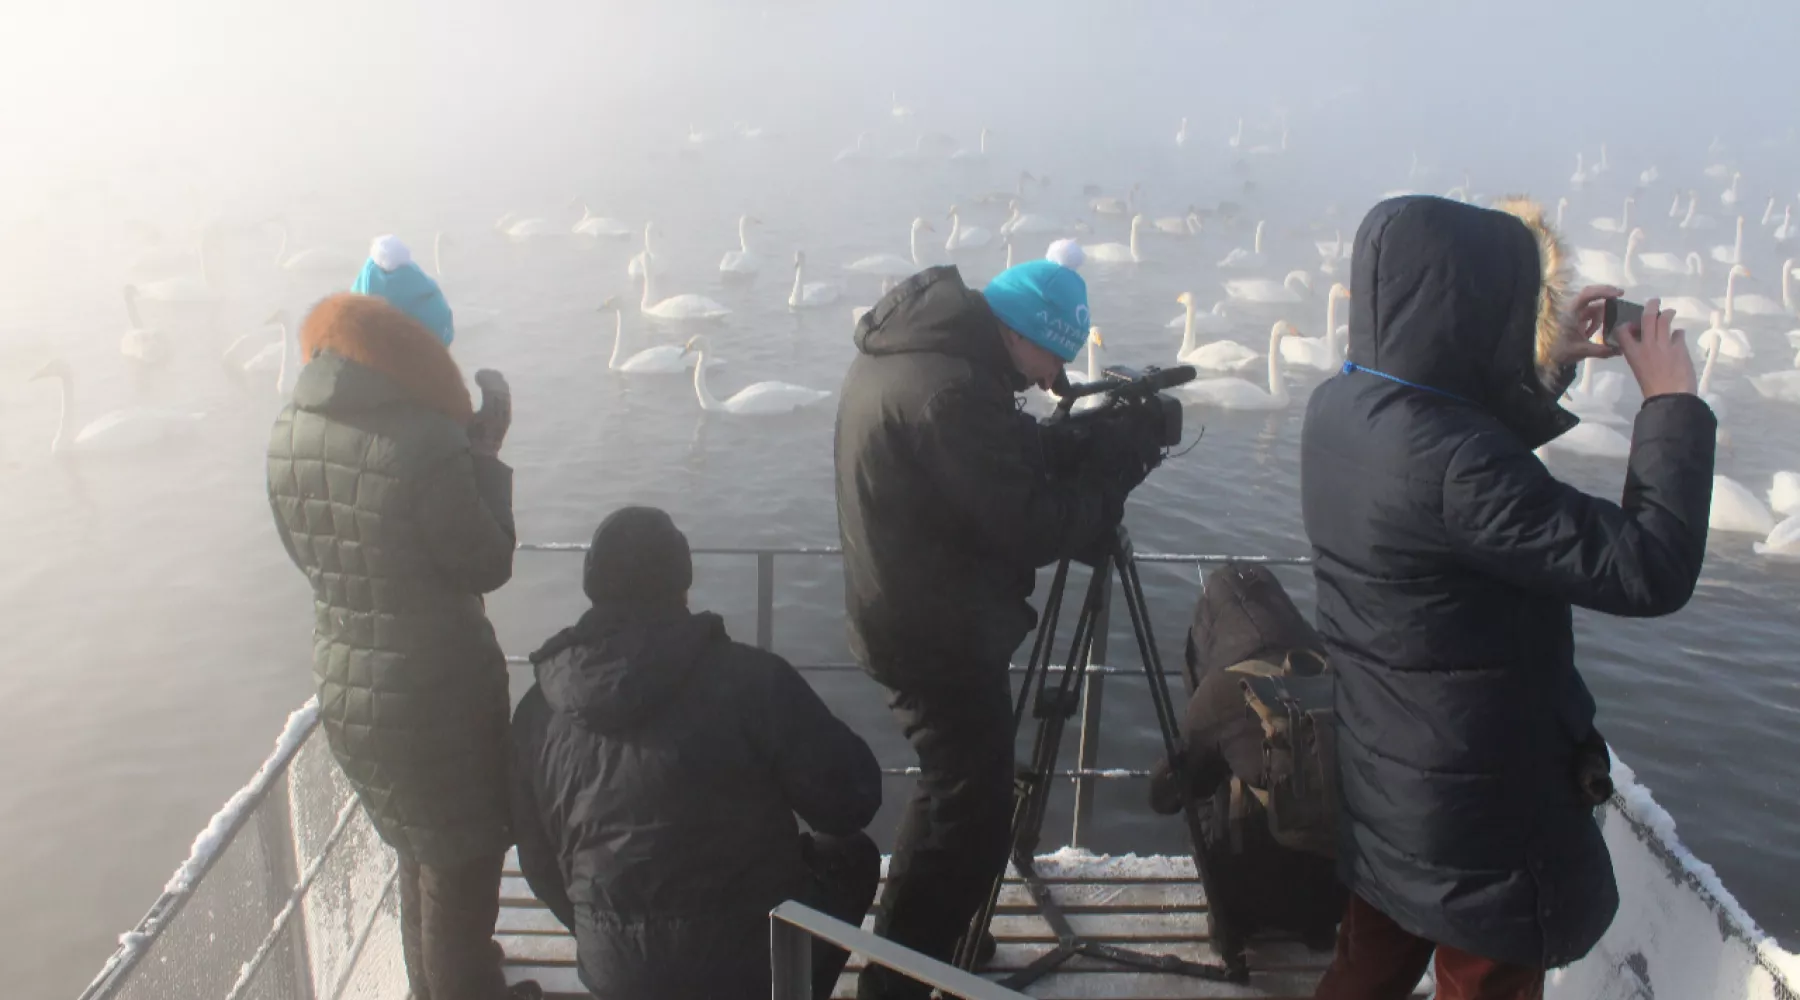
column 1126, row 395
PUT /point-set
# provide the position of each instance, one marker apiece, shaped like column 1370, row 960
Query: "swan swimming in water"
column 1239, row 257
column 273, row 358
column 679, row 307
column 1218, row 356
column 117, row 431
column 1119, row 253
column 1601, row 268
column 1781, row 386
column 600, row 227
column 1731, row 342
column 1296, row 287
column 1670, row 263
column 1239, row 394
column 1595, row 395
column 1783, row 541
column 663, row 359
column 809, row 295
column 1784, row 493
column 887, row 265
column 965, row 237
column 518, row 229
column 1735, row 508
column 1214, row 320
column 141, row 343
column 1622, row 224
column 1734, row 253
column 977, row 155
column 319, row 261
column 645, row 258
column 1020, row 223
column 1323, row 353
column 761, row 399
column 742, row 262
column 1690, row 309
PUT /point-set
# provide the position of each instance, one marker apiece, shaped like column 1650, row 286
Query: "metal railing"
column 1087, row 772
column 792, row 927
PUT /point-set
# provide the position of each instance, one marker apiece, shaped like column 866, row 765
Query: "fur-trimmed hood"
column 1466, row 301
column 379, row 338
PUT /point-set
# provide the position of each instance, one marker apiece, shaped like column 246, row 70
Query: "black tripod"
column 1053, row 706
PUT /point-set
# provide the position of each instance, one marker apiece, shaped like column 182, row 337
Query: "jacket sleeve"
column 537, row 853
column 986, row 462
column 464, row 507
column 1508, row 516
column 827, row 772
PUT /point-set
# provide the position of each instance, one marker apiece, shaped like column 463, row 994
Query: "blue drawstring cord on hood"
column 1350, row 366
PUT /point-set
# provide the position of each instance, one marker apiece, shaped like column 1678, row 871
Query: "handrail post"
column 790, row 962
column 1093, row 697
column 765, row 601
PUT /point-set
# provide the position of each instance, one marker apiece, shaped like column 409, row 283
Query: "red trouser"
column 1377, row 960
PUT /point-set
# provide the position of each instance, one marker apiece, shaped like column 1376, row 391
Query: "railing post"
column 765, row 601
column 790, row 962
column 1093, row 696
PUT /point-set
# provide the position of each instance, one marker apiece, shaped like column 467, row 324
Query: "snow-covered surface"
column 1679, row 932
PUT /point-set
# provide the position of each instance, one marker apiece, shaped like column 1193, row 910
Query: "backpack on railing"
column 1294, row 702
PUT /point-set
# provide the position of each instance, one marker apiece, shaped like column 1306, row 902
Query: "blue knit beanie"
column 1045, row 301
column 391, row 274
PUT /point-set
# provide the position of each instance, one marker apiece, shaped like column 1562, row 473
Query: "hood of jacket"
column 935, row 312
column 1466, row 301
column 618, row 667
column 362, row 353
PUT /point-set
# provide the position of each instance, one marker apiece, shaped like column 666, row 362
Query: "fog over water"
column 158, row 634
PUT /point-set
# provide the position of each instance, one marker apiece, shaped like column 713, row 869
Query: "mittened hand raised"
column 488, row 428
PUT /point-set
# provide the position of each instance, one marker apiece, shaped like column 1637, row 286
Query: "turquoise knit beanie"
column 391, row 274
column 1045, row 301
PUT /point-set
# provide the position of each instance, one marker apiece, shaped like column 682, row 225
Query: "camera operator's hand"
column 1658, row 354
column 488, row 429
column 1585, row 320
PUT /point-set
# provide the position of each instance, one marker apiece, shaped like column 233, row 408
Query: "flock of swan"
column 1261, row 278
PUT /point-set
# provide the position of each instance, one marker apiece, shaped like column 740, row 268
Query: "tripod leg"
column 1226, row 941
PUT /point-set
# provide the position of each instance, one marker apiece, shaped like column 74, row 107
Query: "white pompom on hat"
column 1068, row 253
column 389, row 253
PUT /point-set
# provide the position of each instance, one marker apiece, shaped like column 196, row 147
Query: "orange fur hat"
column 372, row 333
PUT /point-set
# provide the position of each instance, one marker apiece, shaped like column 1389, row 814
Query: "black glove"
column 1593, row 769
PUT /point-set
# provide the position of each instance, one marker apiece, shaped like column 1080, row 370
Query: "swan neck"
column 914, row 245
column 1706, row 371
column 799, row 285
column 1259, row 237
column 1787, row 286
column 1331, row 313
column 744, row 236
column 1277, row 388
column 1694, row 264
column 1631, row 245
column 618, row 339
column 1134, row 240
column 1187, row 331
column 647, row 300
column 707, row 400
column 1730, row 293
column 1093, row 361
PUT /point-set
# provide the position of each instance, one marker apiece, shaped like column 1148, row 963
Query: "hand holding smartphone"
column 1619, row 314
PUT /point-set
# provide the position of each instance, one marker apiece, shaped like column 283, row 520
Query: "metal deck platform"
column 1152, row 904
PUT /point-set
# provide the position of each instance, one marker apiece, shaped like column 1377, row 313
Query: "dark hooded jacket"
column 400, row 530
column 1448, row 559
column 946, row 502
column 659, row 770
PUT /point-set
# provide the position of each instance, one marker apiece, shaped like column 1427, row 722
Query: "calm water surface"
column 158, row 635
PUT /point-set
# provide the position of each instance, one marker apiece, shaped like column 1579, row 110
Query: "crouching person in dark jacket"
column 658, row 770
column 1447, row 560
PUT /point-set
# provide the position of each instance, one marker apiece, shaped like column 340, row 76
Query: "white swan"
column 1094, row 370
column 1754, row 304
column 1749, row 305
column 761, row 399
column 887, row 265
column 1595, row 395
column 1731, row 342
column 1786, row 231
column 1214, row 320
column 1735, row 508
column 1580, row 176
column 1178, row 225
column 518, row 229
column 1781, row 386
column 1783, row 541
column 977, row 155
column 119, row 430
column 1323, row 353
column 810, row 295
column 859, row 153
column 1734, row 253
column 1296, row 287
column 1181, row 135
column 679, row 307
column 897, row 109
column 185, row 289
column 1694, row 220
column 599, row 226
column 1601, row 268
column 742, row 262
column 1690, row 309
column 645, row 258
column 314, row 260
column 272, row 359
column 1622, row 224
column 1021, row 223
column 965, row 237
column 1220, row 355
column 1239, row 257
column 1594, row 440
column 663, row 359
column 1670, row 263
column 1118, row 253
column 1112, row 205
column 141, row 343
column 1238, row 394
column 1784, row 493
column 1649, row 176
column 1729, row 196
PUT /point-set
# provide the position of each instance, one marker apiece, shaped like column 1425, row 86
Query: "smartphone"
column 1619, row 313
